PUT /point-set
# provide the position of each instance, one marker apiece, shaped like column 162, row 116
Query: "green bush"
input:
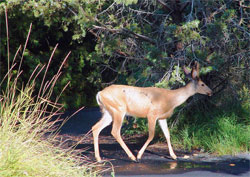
column 129, row 42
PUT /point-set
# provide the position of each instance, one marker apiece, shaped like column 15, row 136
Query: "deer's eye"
column 202, row 85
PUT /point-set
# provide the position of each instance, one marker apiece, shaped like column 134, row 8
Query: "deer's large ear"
column 195, row 71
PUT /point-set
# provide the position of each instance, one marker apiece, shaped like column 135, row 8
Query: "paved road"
column 197, row 173
column 203, row 166
column 155, row 162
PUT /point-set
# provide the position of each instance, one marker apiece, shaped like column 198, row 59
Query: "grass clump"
column 221, row 135
column 26, row 139
column 222, row 131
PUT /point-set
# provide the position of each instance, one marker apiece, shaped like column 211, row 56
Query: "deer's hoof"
column 98, row 159
column 173, row 156
column 138, row 160
column 133, row 158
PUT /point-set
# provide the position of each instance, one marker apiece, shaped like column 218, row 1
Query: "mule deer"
column 152, row 103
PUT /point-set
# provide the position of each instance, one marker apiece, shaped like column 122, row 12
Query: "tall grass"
column 27, row 126
column 27, row 142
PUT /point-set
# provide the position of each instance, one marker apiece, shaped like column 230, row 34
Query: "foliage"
column 130, row 42
column 135, row 126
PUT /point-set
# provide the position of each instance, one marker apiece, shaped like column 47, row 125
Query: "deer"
column 155, row 104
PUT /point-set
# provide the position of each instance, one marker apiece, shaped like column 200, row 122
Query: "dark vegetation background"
column 140, row 43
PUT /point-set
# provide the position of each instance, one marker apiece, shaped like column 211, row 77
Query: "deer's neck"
column 183, row 93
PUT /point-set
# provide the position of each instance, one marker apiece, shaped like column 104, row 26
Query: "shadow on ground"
column 156, row 159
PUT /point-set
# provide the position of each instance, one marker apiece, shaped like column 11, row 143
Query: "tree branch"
column 140, row 36
column 216, row 12
column 166, row 6
column 127, row 32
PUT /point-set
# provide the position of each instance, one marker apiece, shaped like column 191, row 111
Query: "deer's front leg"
column 164, row 127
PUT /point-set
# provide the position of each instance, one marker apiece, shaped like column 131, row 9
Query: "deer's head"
column 199, row 85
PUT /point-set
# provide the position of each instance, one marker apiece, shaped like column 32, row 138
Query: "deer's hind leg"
column 97, row 128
